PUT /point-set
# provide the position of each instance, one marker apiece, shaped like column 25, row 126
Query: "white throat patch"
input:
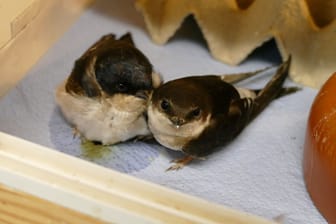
column 170, row 136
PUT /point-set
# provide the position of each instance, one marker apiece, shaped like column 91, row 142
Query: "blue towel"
column 260, row 172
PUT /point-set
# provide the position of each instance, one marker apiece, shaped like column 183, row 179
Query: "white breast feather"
column 110, row 120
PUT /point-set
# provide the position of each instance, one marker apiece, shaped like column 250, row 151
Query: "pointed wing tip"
column 288, row 60
column 286, row 64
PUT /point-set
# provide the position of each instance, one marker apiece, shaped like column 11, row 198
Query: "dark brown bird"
column 105, row 96
column 198, row 114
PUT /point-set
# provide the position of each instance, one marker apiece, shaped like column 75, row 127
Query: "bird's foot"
column 75, row 133
column 180, row 163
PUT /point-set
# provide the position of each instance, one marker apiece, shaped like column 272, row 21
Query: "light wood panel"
column 18, row 207
column 14, row 15
column 23, row 30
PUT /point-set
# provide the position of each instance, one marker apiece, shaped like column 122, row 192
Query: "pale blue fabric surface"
column 260, row 172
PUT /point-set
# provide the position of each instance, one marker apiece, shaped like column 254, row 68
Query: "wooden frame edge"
column 102, row 193
column 19, row 54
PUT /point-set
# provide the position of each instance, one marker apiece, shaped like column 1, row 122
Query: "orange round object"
column 320, row 151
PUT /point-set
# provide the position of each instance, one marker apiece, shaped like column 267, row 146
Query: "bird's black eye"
column 196, row 112
column 165, row 105
column 121, row 87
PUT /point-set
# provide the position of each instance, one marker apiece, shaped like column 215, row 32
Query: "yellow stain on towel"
column 92, row 151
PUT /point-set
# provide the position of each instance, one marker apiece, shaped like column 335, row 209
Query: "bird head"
column 111, row 67
column 181, row 103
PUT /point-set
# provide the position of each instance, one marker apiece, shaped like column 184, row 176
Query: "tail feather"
column 272, row 90
column 288, row 90
column 284, row 91
column 234, row 78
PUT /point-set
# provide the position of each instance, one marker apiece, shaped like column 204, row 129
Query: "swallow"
column 199, row 114
column 106, row 94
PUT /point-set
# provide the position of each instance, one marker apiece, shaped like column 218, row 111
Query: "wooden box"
column 40, row 185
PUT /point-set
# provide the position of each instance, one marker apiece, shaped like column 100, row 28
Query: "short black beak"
column 177, row 122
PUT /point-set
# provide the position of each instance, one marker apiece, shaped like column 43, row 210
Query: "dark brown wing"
column 108, row 41
column 226, row 126
column 82, row 80
column 223, row 128
column 104, row 41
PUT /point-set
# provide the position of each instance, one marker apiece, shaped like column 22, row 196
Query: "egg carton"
column 234, row 28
